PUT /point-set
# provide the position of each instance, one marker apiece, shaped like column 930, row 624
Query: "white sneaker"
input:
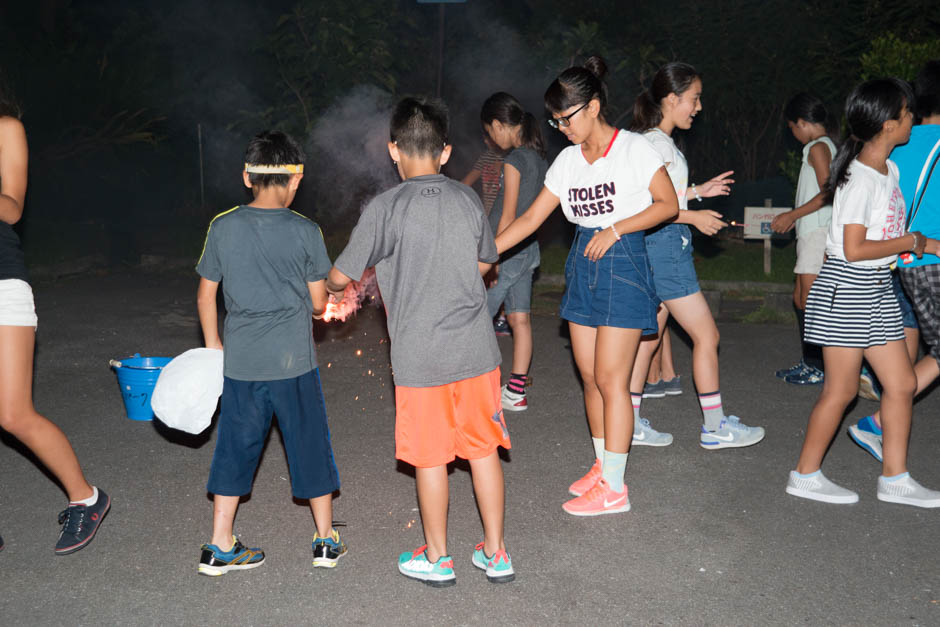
column 645, row 435
column 818, row 488
column 731, row 433
column 512, row 401
column 907, row 492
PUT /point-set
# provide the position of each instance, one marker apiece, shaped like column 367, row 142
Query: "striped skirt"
column 852, row 305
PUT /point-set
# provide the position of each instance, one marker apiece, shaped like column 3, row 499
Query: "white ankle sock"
column 91, row 500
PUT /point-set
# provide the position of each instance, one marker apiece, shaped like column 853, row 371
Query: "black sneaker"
column 1, row 544
column 215, row 562
column 80, row 523
column 327, row 551
column 501, row 327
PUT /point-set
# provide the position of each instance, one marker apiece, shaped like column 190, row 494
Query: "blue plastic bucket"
column 137, row 377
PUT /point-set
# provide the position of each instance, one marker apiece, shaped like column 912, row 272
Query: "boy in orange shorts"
column 430, row 242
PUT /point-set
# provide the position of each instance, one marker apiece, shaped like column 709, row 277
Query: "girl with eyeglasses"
column 672, row 101
column 612, row 184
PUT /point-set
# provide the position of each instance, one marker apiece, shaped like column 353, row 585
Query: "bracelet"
column 914, row 247
column 616, row 234
column 695, row 191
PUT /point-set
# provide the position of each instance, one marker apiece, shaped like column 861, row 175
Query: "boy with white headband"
column 274, row 264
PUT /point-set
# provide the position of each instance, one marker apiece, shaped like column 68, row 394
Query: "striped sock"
column 637, row 399
column 516, row 383
column 712, row 410
column 613, row 469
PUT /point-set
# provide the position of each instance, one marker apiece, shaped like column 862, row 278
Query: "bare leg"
column 322, row 509
column 667, row 370
column 926, row 370
column 694, row 316
column 614, row 354
column 223, row 520
column 583, row 340
column 656, row 363
column 839, row 388
column 19, row 417
column 644, row 354
column 912, row 342
column 487, row 474
column 803, row 283
column 891, row 363
column 433, row 499
column 521, row 325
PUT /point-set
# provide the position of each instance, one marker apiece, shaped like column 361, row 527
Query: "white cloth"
column 188, row 390
column 614, row 187
column 676, row 165
column 16, row 304
column 873, row 200
column 807, row 187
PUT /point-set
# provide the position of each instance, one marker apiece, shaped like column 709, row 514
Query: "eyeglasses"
column 565, row 120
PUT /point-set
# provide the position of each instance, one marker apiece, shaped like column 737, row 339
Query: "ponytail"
column 532, row 134
column 646, row 113
column 505, row 108
column 838, row 172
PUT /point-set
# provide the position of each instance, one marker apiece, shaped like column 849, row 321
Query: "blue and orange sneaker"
column 215, row 562
column 867, row 434
column 498, row 567
column 415, row 564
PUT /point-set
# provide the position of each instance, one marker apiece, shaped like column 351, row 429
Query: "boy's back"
column 424, row 238
column 266, row 258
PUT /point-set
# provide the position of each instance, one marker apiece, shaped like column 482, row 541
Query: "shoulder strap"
column 929, row 164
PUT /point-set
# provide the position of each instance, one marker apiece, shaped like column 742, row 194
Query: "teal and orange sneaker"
column 328, row 550
column 498, row 567
column 415, row 564
column 215, row 562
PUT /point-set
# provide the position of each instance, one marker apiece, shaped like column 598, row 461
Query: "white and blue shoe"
column 867, row 435
column 645, row 435
column 731, row 433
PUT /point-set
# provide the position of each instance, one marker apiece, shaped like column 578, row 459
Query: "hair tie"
column 854, row 138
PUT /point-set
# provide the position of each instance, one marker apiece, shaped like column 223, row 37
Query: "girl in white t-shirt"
column 806, row 116
column 613, row 186
column 851, row 309
column 672, row 101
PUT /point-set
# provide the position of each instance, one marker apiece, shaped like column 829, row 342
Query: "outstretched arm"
column 14, row 156
column 820, row 158
column 526, row 224
column 336, row 283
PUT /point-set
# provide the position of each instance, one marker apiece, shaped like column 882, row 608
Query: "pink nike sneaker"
column 586, row 482
column 600, row 499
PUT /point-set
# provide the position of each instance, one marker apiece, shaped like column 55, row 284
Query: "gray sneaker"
column 654, row 390
column 731, row 433
column 673, row 387
column 818, row 488
column 907, row 492
column 645, row 435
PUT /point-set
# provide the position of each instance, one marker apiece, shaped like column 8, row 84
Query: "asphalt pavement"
column 712, row 538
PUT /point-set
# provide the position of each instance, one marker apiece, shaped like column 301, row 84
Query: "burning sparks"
column 353, row 296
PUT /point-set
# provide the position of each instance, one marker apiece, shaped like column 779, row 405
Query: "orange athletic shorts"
column 461, row 419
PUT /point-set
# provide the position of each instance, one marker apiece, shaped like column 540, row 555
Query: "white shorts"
column 810, row 251
column 16, row 304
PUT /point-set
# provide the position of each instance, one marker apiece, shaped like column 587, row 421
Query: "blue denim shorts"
column 514, row 286
column 907, row 310
column 670, row 253
column 614, row 291
column 244, row 422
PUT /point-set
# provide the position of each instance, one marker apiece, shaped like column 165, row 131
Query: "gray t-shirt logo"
column 431, row 191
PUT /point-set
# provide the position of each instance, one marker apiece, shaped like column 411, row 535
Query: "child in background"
column 273, row 265
column 851, row 310
column 430, row 243
column 807, row 117
column 613, row 186
column 672, row 101
column 514, row 130
column 920, row 184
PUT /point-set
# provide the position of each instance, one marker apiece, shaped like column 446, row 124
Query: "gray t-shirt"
column 424, row 238
column 265, row 258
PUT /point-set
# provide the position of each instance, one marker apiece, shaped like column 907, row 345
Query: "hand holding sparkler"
column 707, row 221
column 783, row 223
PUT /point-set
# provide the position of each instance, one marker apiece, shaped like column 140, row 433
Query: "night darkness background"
column 115, row 93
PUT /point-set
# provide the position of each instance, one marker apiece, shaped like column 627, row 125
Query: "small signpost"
column 757, row 226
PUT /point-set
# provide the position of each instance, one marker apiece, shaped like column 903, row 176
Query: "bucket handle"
column 114, row 363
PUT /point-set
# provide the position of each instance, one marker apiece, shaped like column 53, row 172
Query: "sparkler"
column 354, row 295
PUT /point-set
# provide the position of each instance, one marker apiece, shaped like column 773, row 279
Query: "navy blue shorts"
column 907, row 310
column 670, row 253
column 615, row 291
column 244, row 422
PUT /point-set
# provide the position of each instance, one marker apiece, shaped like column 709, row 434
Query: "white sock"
column 615, row 466
column 598, row 448
column 91, row 500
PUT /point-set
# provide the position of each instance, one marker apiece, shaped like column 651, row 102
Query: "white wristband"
column 695, row 191
column 616, row 234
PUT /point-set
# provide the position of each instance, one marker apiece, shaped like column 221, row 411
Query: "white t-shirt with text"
column 870, row 198
column 614, row 187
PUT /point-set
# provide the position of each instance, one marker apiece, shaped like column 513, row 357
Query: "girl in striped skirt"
column 851, row 309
